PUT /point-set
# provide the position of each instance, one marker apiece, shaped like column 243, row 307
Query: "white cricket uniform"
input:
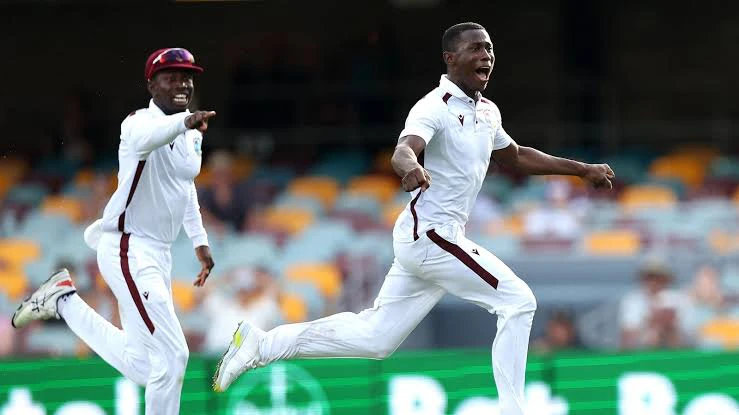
column 432, row 254
column 158, row 160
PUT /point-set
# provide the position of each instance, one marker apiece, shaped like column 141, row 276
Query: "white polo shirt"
column 460, row 136
column 158, row 160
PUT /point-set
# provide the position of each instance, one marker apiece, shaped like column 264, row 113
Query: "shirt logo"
column 474, row 251
column 461, row 119
column 146, row 295
column 171, row 145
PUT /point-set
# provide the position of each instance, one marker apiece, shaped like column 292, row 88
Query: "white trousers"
column 151, row 349
column 440, row 261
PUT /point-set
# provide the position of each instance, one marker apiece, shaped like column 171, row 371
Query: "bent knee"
column 525, row 301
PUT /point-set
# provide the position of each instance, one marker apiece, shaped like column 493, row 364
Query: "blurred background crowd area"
column 297, row 192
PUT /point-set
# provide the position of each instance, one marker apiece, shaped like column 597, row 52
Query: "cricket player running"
column 159, row 156
column 457, row 130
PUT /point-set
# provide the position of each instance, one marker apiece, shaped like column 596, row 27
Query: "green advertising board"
column 454, row 382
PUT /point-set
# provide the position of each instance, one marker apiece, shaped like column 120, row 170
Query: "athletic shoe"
column 242, row 355
column 41, row 305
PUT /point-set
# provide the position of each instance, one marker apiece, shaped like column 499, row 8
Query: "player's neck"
column 470, row 93
column 165, row 110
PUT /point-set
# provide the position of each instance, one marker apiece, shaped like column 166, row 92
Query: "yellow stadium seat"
column 647, row 196
column 13, row 169
column 13, row 284
column 288, row 219
column 383, row 188
column 621, row 242
column 183, row 294
column 722, row 330
column 689, row 170
column 324, row 189
column 736, row 197
column 66, row 206
column 326, row 277
column 293, row 308
column 390, row 213
column 514, row 224
column 18, row 251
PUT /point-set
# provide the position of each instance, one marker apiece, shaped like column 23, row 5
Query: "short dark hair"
column 451, row 35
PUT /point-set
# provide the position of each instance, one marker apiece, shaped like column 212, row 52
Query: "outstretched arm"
column 531, row 161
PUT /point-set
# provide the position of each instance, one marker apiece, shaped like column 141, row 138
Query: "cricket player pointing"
column 159, row 157
column 458, row 131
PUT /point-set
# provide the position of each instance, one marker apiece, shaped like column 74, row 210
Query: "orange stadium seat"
column 84, row 178
column 66, row 206
column 18, row 251
column 647, row 196
column 390, row 213
column 324, row 189
column 620, row 242
column 287, row 219
column 204, row 178
column 381, row 187
column 293, row 307
column 183, row 294
column 242, row 167
column 382, row 162
column 689, row 170
column 326, row 277
column 722, row 330
column 13, row 284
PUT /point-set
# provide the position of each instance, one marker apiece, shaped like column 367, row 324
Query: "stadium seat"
column 723, row 331
column 724, row 167
column 636, row 197
column 391, row 212
column 311, row 296
column 19, row 251
column 290, row 220
column 325, row 276
column 13, row 284
column 310, row 203
column 359, row 202
column 381, row 187
column 323, row 189
column 382, row 163
column 183, row 294
column 293, row 307
column 619, row 242
column 65, row 206
column 26, row 194
column 688, row 169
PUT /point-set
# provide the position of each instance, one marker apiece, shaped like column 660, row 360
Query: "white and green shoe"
column 242, row 355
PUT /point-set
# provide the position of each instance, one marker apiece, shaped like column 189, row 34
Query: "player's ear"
column 150, row 86
column 448, row 57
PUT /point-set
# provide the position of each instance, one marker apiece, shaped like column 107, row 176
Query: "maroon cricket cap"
column 170, row 58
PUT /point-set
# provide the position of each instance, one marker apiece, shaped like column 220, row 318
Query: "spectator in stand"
column 252, row 296
column 555, row 218
column 7, row 337
column 707, row 300
column 655, row 315
column 224, row 204
column 561, row 334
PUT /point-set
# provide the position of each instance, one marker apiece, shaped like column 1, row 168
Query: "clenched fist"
column 416, row 178
column 199, row 120
column 599, row 176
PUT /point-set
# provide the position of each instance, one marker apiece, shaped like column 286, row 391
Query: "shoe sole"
column 41, row 287
column 238, row 340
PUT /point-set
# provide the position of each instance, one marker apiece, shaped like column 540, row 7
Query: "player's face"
column 474, row 59
column 172, row 90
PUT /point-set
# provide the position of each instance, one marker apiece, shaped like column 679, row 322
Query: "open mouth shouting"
column 483, row 73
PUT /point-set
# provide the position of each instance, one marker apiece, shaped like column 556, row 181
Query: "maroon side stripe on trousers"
column 131, row 284
column 463, row 256
column 125, row 269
